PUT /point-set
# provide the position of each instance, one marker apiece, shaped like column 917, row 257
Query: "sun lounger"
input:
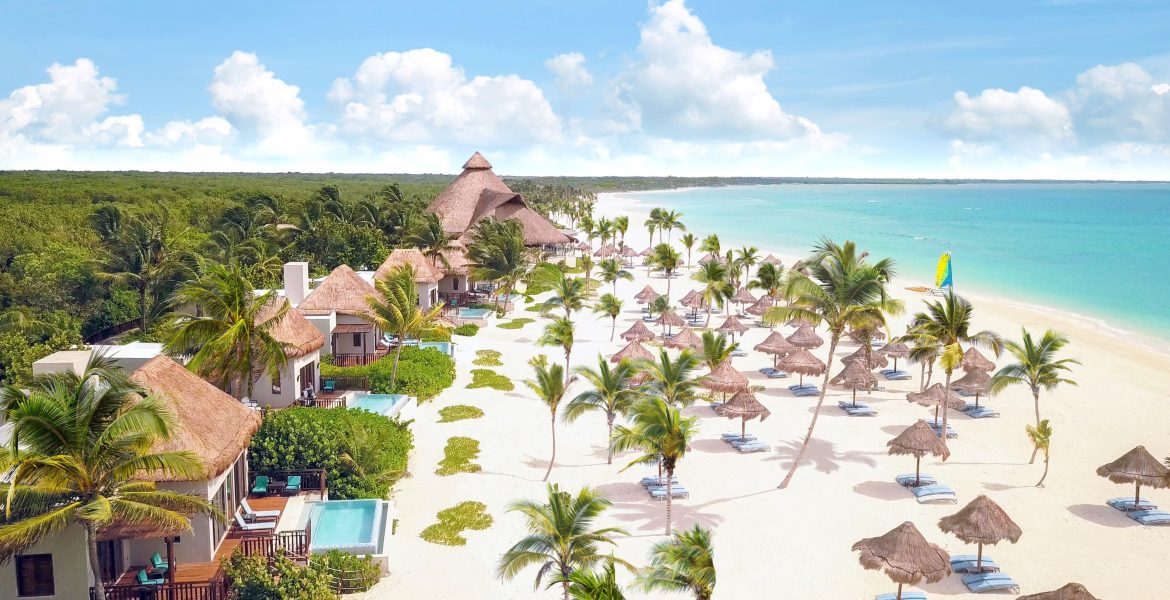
column 766, row 370
column 907, row 479
column 896, row 375
column 906, row 595
column 752, row 447
column 649, row 481
column 260, row 486
column 1150, row 517
column 982, row 413
column 861, row 410
column 990, row 582
column 258, row 515
column 963, row 392
column 292, row 487
column 1127, row 504
column 849, row 404
column 806, row 392
column 777, row 375
column 254, row 527
column 965, row 564
column 933, row 493
column 158, row 565
column 800, row 386
column 328, row 386
column 735, row 435
column 145, row 579
column 676, row 492
column 937, row 429
column 739, row 353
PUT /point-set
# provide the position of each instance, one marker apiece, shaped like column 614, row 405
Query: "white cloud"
column 419, row 96
column 209, row 131
column 258, row 103
column 570, row 71
column 1121, row 103
column 1028, row 116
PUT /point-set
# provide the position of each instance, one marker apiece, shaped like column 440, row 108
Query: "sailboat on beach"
column 943, row 278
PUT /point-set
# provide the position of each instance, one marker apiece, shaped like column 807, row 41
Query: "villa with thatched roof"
column 337, row 306
column 303, row 342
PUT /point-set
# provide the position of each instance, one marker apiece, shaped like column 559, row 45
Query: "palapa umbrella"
column 981, row 522
column 760, row 307
column 629, row 252
column 973, row 382
column 743, row 296
column 802, row 362
column 974, row 361
column 670, row 319
column 936, row 396
column 895, row 350
column 649, row 251
column 772, row 260
column 708, row 257
column 725, row 378
column 805, row 337
column 862, row 336
column 633, row 351
column 744, row 406
column 732, row 326
column 605, row 251
column 638, row 332
column 905, row 556
column 776, row 345
column 855, row 376
column 1138, row 467
column 646, row 292
column 1071, row 591
column 583, row 247
column 870, row 358
column 918, row 440
column 684, row 339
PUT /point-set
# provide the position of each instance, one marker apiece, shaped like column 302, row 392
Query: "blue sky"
column 1048, row 88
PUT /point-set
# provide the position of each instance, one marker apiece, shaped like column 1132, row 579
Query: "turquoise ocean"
column 1098, row 250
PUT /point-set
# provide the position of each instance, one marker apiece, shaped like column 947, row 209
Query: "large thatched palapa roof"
column 725, row 378
column 671, row 319
column 982, row 521
column 760, row 307
column 937, row 395
column 424, row 270
column 973, row 382
column 918, row 440
column 647, row 292
column 802, row 362
column 638, row 331
column 633, row 351
column 775, row 344
column 973, row 360
column 478, row 193
column 743, row 296
column 210, row 424
column 343, row 292
column 772, row 260
column 1136, row 466
column 895, row 349
column 869, row 358
column 293, row 330
column 1071, row 591
column 905, row 556
column 855, row 376
column 805, row 337
column 732, row 326
column 684, row 339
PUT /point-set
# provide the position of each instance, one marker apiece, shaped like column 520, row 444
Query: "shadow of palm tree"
column 651, row 514
column 711, row 446
column 1102, row 515
column 1003, row 487
column 823, row 454
column 882, row 490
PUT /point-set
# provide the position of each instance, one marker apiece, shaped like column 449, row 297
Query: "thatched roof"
column 710, row 257
column 687, row 296
column 732, row 325
column 584, row 247
column 974, row 382
column 693, row 300
column 918, row 440
column 802, row 362
column 1071, row 591
column 638, row 331
column 478, row 193
column 633, row 351
column 605, row 251
column 456, row 261
column 1136, row 466
column 875, row 359
column 974, row 361
column 424, row 270
column 628, row 252
column 210, row 424
column 805, row 337
column 775, row 344
column 685, row 338
column 743, row 405
column 905, row 556
column 855, row 376
column 895, row 349
column 671, row 318
column 760, row 307
column 770, row 259
column 298, row 335
column 646, row 291
column 343, row 292
column 649, row 251
column 725, row 378
column 743, row 296
column 982, row 521
column 936, row 395
column 864, row 335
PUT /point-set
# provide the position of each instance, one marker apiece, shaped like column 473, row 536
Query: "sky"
column 1076, row 89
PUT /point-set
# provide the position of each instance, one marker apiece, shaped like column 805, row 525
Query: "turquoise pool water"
column 383, row 404
column 444, row 347
column 473, row 313
column 350, row 525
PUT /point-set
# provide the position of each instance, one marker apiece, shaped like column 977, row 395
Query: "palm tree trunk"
column 613, row 329
column 552, row 459
column 99, row 588
column 668, row 274
column 669, row 493
column 144, row 321
column 397, row 354
column 565, row 590
column 946, row 408
column 708, row 323
column 609, row 436
column 1045, row 475
column 816, row 413
column 1036, row 401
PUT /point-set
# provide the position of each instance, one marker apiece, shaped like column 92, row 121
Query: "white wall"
column 290, row 388
column 323, row 323
column 447, row 284
column 71, row 574
column 427, row 295
column 343, row 343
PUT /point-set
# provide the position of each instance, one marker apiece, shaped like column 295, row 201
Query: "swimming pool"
column 445, row 347
column 355, row 526
column 474, row 313
column 383, row 404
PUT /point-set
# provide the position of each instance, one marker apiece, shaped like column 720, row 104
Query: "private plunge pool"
column 389, row 405
column 355, row 526
column 474, row 314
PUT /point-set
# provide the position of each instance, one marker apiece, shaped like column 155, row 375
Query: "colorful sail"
column 942, row 275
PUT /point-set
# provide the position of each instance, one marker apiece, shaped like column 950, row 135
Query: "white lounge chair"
column 254, row 527
column 257, row 515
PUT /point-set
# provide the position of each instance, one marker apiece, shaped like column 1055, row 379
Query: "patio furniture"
column 258, row 515
column 145, row 578
column 292, row 487
column 260, row 486
column 158, row 565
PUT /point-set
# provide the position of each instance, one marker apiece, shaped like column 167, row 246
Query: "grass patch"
column 457, row 456
column 487, row 378
column 487, row 358
column 453, row 521
column 536, row 308
column 516, row 323
column 458, row 412
column 466, row 329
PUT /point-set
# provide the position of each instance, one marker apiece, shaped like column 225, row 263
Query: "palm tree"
column 587, row 584
column 585, row 224
column 671, row 220
column 653, row 222
column 561, row 536
column 672, row 379
column 684, row 563
column 746, row 258
column 769, row 279
column 497, row 253
column 688, row 241
column 82, row 451
column 612, row 270
column 559, row 334
column 151, row 259
column 395, row 309
column 665, row 257
column 231, row 343
column 586, row 265
column 710, row 244
column 713, row 275
column 662, row 434
column 716, row 349
column 621, row 224
column 611, row 393
column 842, row 290
column 949, row 322
column 1041, row 437
column 924, row 350
column 550, row 385
column 660, row 305
column 429, row 236
column 1037, row 367
column 608, row 305
column 603, row 228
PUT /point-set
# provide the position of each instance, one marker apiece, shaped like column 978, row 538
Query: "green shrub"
column 315, row 438
column 452, row 522
column 515, row 323
column 252, row 579
column 349, row 572
column 481, row 378
column 487, row 358
column 457, row 456
column 467, row 329
column 441, row 334
column 458, row 412
column 422, row 373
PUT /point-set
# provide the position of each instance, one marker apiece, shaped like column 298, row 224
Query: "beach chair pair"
column 1127, row 504
column 677, row 492
column 936, row 427
column 1150, row 517
column 981, row 413
column 857, row 410
column 908, row 479
column 906, row 595
column 260, row 486
column 805, row 391
column 772, row 373
column 746, row 444
column 966, row 564
column 990, row 582
column 658, row 481
column 892, row 375
column 933, row 493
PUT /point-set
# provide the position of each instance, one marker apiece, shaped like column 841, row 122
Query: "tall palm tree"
column 672, row 378
column 585, row 224
column 665, row 257
column 497, row 253
column 1041, row 437
column 716, row 349
column 429, row 237
column 671, row 220
column 746, row 258
column 688, row 241
column 395, row 309
column 231, row 343
column 549, row 386
column 610, row 393
column 1036, row 367
column 560, row 334
column 653, row 222
column 714, row 277
column 586, row 265
column 842, row 290
column 603, row 228
column 924, row 350
column 684, row 563
column 769, row 279
column 621, row 224
column 150, row 258
column 710, row 244
column 81, row 452
column 612, row 270
column 949, row 321
column 662, row 434
column 569, row 293
column 608, row 305
column 587, row 584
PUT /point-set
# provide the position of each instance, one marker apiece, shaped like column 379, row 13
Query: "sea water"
column 1101, row 250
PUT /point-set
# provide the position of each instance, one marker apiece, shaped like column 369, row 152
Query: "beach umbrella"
column 936, row 396
column 1138, row 467
column 1071, row 591
column 684, row 339
column 918, row 440
column 973, row 382
column 743, row 296
column 974, row 361
column 725, row 378
column 693, row 300
column 895, row 350
column 649, row 251
column 709, row 257
column 776, row 345
column 628, row 252
column 855, row 376
column 633, row 351
column 584, row 247
column 605, row 251
column 863, row 336
column 760, row 307
column 981, row 522
column 770, row 259
column 743, row 405
column 638, row 332
column 905, row 556
column 802, row 362
column 870, row 358
column 645, row 293
column 732, row 326
column 805, row 337
column 670, row 319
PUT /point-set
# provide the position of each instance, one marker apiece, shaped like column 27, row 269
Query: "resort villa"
column 303, row 351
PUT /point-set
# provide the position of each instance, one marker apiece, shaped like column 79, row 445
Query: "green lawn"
column 457, row 456
column 487, row 358
column 453, row 521
column 458, row 412
column 481, row 378
column 516, row 323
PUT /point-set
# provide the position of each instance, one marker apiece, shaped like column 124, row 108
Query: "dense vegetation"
column 422, row 373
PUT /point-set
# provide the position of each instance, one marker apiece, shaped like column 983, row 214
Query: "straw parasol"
column 583, row 247
column 802, row 362
column 869, row 358
column 693, row 300
column 684, row 339
column 1071, row 591
column 709, row 257
column 1138, row 467
column 776, row 345
column 760, row 307
column 805, row 337
column 743, row 296
column 855, row 376
column 918, row 440
column 862, row 336
column 639, row 332
column 725, row 378
column 974, row 382
column 936, row 396
column 645, row 293
column 670, row 319
column 895, row 350
column 905, row 556
column 634, row 351
column 744, row 406
column 649, row 251
column 772, row 260
column 981, row 522
column 974, row 361
column 605, row 251
column 732, row 326
column 628, row 252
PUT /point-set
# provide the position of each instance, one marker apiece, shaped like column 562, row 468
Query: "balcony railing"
column 345, row 383
column 293, row 544
column 312, row 480
column 356, row 360
column 216, row 589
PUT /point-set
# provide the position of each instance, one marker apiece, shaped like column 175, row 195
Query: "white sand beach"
column 795, row 543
